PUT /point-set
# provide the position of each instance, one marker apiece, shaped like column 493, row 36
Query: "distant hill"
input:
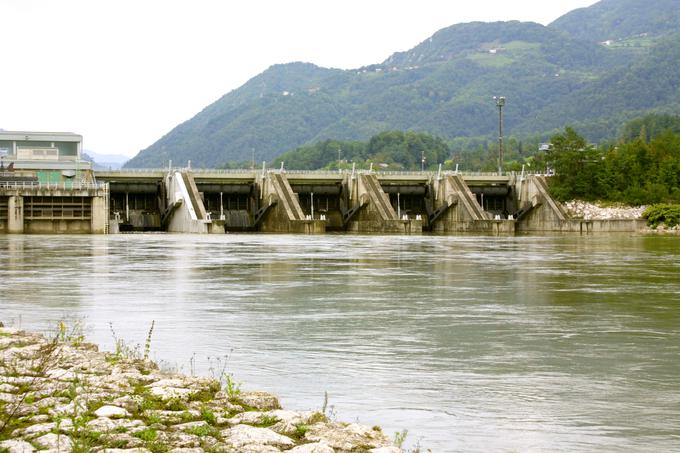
column 598, row 109
column 105, row 161
column 621, row 20
column 552, row 76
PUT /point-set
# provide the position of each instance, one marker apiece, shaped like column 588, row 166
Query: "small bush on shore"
column 668, row 214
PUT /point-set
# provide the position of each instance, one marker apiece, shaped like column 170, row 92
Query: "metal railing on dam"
column 64, row 185
column 159, row 172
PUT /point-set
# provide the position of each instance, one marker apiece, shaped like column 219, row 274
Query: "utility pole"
column 500, row 102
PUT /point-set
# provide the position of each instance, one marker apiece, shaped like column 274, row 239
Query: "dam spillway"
column 218, row 201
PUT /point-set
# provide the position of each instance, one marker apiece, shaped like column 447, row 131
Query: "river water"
column 559, row 343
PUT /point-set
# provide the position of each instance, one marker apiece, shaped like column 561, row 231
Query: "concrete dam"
column 219, row 201
column 47, row 187
column 312, row 202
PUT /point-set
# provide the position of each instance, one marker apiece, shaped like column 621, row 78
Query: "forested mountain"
column 622, row 21
column 551, row 76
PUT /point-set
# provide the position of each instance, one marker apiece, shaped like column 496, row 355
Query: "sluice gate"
column 135, row 200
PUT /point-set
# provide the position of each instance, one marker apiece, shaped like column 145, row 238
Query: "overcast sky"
column 123, row 73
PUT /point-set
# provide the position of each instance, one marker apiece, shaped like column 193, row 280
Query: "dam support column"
column 374, row 212
column 100, row 213
column 15, row 214
column 457, row 210
column 282, row 211
column 538, row 211
column 185, row 212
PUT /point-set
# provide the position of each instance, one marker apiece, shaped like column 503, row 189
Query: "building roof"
column 41, row 136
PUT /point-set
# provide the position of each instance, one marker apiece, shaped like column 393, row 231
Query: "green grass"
column 208, row 416
column 487, row 59
column 147, row 435
column 202, row 431
column 266, row 421
column 300, row 431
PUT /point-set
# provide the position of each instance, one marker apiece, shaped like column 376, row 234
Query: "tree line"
column 644, row 170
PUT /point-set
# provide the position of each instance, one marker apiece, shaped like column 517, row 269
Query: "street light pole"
column 500, row 102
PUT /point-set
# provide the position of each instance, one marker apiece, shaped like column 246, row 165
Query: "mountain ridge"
column 442, row 86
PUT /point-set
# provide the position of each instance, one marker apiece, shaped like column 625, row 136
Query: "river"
column 472, row 343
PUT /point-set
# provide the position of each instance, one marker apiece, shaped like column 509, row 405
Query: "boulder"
column 242, row 435
column 17, row 446
column 56, row 442
column 111, row 412
column 347, row 436
column 317, row 447
column 259, row 400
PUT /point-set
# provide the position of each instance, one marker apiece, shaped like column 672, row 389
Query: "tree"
column 576, row 165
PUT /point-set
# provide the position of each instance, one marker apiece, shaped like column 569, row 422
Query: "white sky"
column 125, row 72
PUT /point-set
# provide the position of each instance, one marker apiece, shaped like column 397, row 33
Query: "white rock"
column 190, row 426
column 111, row 412
column 258, row 449
column 259, row 400
column 105, row 424
column 40, row 419
column 347, row 436
column 7, row 397
column 242, row 435
column 126, row 450
column 173, row 417
column 56, row 442
column 386, row 450
column 317, row 447
column 256, row 417
column 7, row 388
column 167, row 383
column 62, row 375
column 42, row 428
column 168, row 393
column 183, row 440
column 17, row 446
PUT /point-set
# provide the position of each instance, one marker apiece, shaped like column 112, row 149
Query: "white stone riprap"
column 65, row 396
column 590, row 211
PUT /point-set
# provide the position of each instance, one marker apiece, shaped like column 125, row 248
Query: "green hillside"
column 650, row 83
column 622, row 21
column 443, row 86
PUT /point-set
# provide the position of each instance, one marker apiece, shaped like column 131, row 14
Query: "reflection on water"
column 471, row 343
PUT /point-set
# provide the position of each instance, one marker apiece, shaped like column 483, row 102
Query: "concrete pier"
column 377, row 215
column 53, row 208
column 286, row 215
column 463, row 213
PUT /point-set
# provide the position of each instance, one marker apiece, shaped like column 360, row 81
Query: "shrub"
column 668, row 214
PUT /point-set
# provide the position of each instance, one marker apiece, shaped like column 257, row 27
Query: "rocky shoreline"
column 63, row 395
column 590, row 211
column 578, row 209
